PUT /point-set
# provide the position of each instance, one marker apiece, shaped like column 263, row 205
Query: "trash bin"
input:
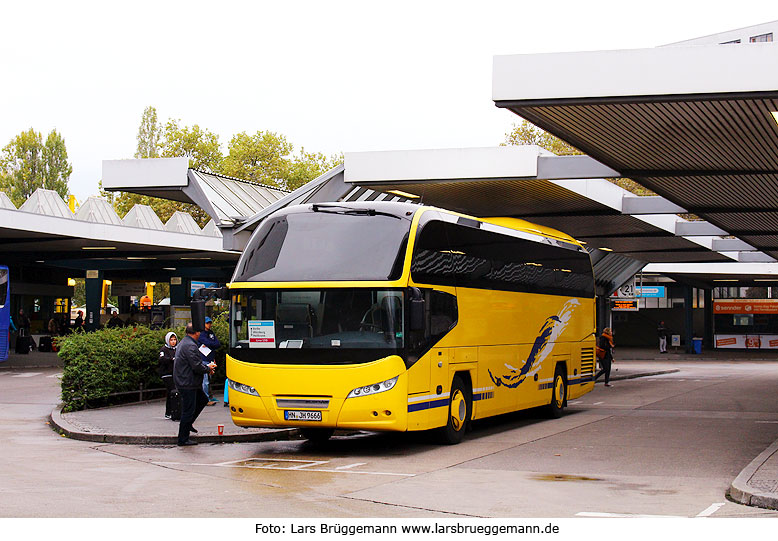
column 697, row 345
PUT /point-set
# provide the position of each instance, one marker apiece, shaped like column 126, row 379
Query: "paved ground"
column 664, row 445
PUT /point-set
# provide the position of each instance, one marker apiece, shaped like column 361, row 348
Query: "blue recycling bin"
column 697, row 345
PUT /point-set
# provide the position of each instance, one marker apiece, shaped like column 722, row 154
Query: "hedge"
column 98, row 364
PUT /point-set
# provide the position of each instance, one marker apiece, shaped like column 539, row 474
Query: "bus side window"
column 443, row 314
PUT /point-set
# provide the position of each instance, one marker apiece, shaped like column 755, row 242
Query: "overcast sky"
column 331, row 76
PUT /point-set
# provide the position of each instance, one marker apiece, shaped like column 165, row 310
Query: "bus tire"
column 558, row 393
column 460, row 410
column 317, row 435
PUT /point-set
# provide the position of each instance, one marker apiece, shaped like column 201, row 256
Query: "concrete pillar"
column 688, row 312
column 94, row 291
column 708, row 332
column 124, row 304
column 179, row 291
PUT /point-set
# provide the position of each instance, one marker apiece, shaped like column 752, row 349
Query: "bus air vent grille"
column 587, row 361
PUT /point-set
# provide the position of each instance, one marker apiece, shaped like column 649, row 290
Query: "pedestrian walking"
column 606, row 343
column 167, row 356
column 188, row 370
column 209, row 340
column 661, row 330
column 79, row 322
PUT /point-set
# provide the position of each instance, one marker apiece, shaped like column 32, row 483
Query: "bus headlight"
column 241, row 388
column 375, row 388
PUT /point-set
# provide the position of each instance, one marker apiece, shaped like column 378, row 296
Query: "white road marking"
column 278, row 464
column 767, row 422
column 574, row 402
column 55, row 376
column 598, row 403
column 622, row 515
column 710, row 510
column 351, row 466
column 27, row 374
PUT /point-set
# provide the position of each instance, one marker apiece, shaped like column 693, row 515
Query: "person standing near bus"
column 167, row 356
column 188, row 370
column 23, row 323
column 606, row 343
column 209, row 340
column 662, row 332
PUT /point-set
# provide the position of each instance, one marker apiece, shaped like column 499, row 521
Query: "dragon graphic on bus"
column 552, row 328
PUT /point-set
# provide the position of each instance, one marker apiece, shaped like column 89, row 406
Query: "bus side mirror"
column 416, row 309
column 198, row 315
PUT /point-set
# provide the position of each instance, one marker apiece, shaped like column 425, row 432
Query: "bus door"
column 5, row 312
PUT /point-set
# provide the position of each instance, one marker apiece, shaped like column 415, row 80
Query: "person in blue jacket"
column 209, row 340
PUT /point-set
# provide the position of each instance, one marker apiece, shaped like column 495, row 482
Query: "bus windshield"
column 320, row 326
column 323, row 243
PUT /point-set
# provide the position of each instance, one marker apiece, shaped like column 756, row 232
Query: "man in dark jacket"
column 188, row 370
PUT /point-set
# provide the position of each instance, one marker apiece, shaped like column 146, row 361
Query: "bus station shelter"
column 695, row 124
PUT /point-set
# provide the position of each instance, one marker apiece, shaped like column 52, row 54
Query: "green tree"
column 149, row 135
column 307, row 166
column 200, row 146
column 262, row 157
column 526, row 133
column 27, row 163
column 267, row 158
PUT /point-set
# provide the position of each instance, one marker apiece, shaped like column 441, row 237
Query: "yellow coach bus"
column 397, row 316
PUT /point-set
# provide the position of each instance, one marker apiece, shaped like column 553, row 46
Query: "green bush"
column 100, row 363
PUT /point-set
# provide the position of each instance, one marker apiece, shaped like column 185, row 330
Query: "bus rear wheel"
column 460, row 409
column 317, row 435
column 558, row 394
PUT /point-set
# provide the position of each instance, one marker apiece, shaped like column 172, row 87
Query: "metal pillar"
column 180, row 293
column 708, row 332
column 688, row 312
column 94, row 292
column 603, row 313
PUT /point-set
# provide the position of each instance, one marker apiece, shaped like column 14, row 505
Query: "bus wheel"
column 559, row 394
column 317, row 435
column 459, row 411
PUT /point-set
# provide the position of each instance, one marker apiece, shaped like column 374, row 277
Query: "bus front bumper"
column 320, row 402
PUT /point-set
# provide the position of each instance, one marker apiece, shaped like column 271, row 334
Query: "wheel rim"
column 458, row 410
column 559, row 392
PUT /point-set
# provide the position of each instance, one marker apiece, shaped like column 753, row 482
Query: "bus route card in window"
column 295, row 415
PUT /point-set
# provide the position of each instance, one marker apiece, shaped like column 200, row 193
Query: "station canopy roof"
column 696, row 125
column 43, row 232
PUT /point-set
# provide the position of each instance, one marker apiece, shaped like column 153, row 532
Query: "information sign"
column 262, row 333
column 624, row 305
column 654, row 292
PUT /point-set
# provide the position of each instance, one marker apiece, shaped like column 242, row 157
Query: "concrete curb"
column 740, row 492
column 60, row 425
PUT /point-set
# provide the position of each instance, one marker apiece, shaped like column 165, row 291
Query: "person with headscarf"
column 167, row 354
column 606, row 343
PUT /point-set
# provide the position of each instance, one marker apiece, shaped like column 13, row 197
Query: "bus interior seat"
column 293, row 321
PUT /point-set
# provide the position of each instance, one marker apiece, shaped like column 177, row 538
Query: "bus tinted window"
column 319, row 246
column 451, row 254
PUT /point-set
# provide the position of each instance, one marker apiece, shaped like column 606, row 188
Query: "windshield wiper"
column 350, row 211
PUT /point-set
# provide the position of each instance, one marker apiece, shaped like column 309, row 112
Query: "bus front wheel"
column 558, row 394
column 459, row 411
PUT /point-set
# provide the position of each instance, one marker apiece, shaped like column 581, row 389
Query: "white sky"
column 331, row 76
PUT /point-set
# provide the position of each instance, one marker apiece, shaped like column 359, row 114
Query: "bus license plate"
column 294, row 415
